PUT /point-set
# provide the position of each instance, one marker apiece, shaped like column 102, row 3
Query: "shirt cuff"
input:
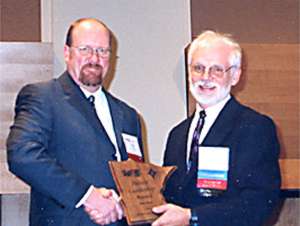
column 84, row 198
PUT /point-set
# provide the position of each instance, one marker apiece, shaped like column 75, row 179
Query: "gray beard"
column 201, row 99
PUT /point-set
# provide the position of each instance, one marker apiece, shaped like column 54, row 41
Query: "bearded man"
column 226, row 153
column 66, row 130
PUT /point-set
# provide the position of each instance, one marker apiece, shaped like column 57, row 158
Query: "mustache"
column 205, row 83
column 94, row 65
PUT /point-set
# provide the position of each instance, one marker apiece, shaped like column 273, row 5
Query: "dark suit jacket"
column 59, row 147
column 253, row 177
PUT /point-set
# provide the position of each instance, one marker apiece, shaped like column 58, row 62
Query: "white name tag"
column 132, row 147
column 213, row 158
column 213, row 164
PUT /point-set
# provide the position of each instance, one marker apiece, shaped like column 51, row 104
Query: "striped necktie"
column 193, row 158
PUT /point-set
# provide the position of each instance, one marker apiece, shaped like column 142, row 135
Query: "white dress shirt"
column 211, row 115
column 103, row 113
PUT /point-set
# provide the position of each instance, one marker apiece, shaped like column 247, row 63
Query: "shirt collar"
column 213, row 110
column 95, row 94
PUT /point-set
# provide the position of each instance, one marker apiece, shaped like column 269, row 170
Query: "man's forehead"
column 89, row 25
column 90, row 32
column 212, row 51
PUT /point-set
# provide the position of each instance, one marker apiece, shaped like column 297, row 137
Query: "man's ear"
column 66, row 53
column 235, row 76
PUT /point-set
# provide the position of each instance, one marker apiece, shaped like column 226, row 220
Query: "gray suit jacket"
column 59, row 147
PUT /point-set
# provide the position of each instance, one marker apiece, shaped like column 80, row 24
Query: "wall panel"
column 258, row 21
column 20, row 20
column 20, row 63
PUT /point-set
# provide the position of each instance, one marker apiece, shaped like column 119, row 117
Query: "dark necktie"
column 91, row 99
column 193, row 158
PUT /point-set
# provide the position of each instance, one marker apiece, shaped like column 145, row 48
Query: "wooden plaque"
column 140, row 186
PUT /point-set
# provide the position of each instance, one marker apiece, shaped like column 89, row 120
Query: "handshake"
column 103, row 207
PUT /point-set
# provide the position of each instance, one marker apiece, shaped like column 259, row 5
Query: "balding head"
column 84, row 22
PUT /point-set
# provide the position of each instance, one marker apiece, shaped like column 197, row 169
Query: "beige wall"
column 149, row 75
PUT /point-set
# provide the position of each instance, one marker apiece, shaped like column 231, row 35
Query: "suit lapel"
column 223, row 124
column 117, row 116
column 76, row 98
column 183, row 148
column 182, row 151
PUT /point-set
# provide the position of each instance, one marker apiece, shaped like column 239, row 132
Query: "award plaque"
column 140, row 186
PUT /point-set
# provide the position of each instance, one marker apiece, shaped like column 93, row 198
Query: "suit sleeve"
column 255, row 177
column 28, row 149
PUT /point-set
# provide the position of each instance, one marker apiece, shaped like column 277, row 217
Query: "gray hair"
column 209, row 37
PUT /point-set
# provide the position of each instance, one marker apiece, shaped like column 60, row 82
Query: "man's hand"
column 103, row 207
column 172, row 215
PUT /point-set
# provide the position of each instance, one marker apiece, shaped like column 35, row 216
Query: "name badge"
column 213, row 164
column 132, row 147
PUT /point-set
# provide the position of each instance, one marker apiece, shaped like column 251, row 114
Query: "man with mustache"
column 226, row 153
column 66, row 130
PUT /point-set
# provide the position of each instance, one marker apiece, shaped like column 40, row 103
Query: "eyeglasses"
column 88, row 51
column 216, row 71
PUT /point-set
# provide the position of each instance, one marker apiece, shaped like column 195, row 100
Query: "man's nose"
column 206, row 73
column 95, row 57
